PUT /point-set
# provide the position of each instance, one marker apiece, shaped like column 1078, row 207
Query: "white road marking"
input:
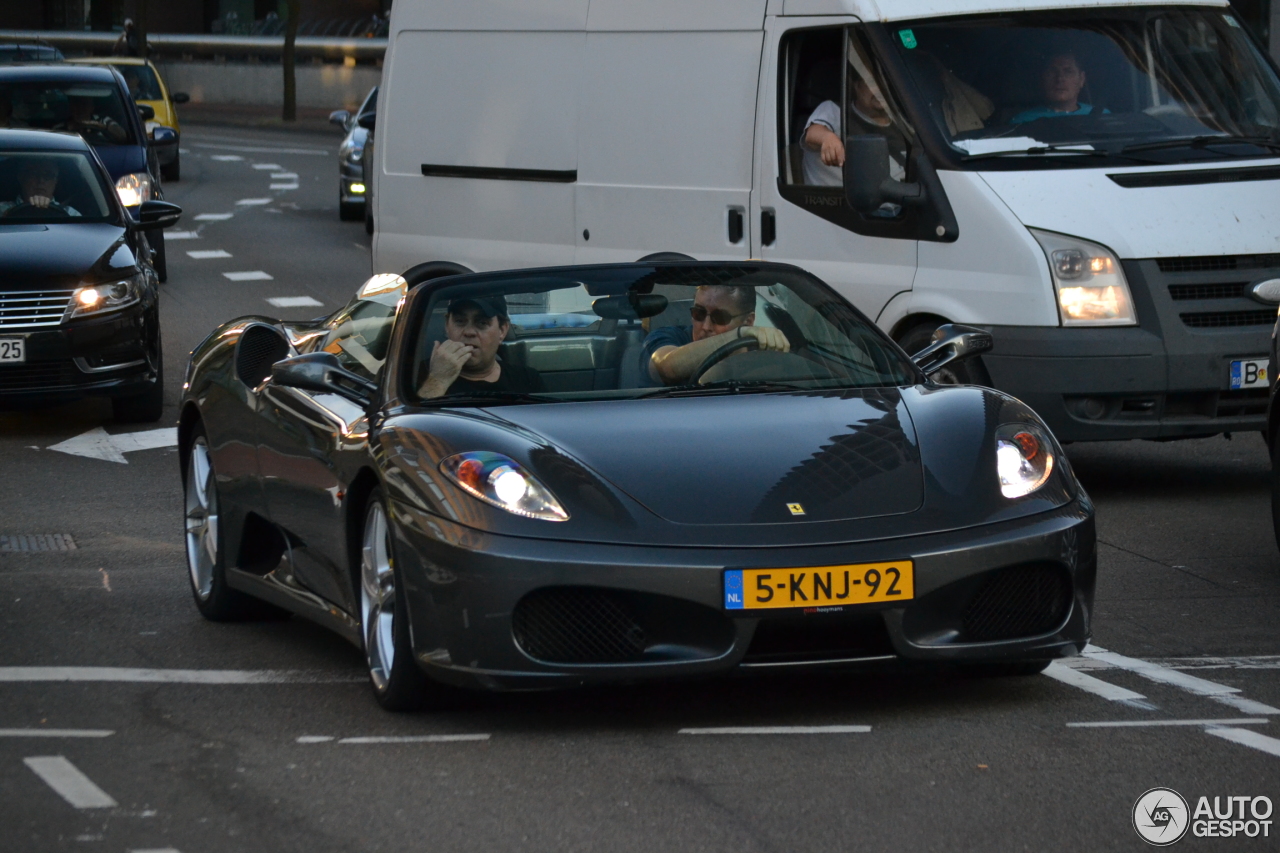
column 268, row 167
column 290, row 186
column 1246, row 737
column 1248, row 706
column 226, row 158
column 1120, row 724
column 294, row 302
column 1213, row 661
column 1096, row 686
column 98, row 444
column 778, row 730
column 182, row 235
column 14, row 674
column 253, row 202
column 260, row 149
column 285, row 176
column 414, row 739
column 1200, row 687
column 69, row 783
column 250, row 275
column 315, row 739
column 156, row 850
column 213, row 217
column 56, row 733
column 207, row 254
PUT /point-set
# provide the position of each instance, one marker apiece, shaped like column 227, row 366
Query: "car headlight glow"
column 500, row 481
column 134, row 189
column 353, row 156
column 1024, row 459
column 95, row 299
column 1091, row 287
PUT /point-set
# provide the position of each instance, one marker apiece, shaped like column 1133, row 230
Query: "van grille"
column 1222, row 290
column 1223, row 319
column 28, row 309
column 1218, row 263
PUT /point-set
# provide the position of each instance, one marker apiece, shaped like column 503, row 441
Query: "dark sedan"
column 352, row 187
column 79, row 311
column 543, row 478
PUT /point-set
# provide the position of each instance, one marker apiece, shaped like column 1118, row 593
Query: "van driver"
column 720, row 314
column 467, row 360
column 1061, row 81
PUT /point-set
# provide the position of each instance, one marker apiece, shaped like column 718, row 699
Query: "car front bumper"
column 470, row 596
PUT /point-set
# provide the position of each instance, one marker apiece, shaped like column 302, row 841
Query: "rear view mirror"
column 180, row 97
column 867, row 184
column 340, row 118
column 164, row 136
column 320, row 373
column 146, row 112
column 158, row 214
column 952, row 343
column 633, row 306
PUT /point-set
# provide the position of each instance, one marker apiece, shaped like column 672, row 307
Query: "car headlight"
column 353, row 156
column 1024, row 459
column 1088, row 280
column 500, row 481
column 95, row 299
column 134, row 189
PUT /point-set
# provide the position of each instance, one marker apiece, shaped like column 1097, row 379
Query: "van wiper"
column 1204, row 142
column 482, row 398
column 1058, row 148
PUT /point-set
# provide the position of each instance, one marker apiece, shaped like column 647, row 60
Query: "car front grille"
column 1019, row 601
column 1218, row 290
column 1227, row 319
column 579, row 625
column 39, row 376
column 1218, row 263
column 30, row 309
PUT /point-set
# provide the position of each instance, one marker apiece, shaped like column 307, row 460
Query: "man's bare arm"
column 672, row 365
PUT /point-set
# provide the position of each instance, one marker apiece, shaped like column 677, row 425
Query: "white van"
column 1097, row 184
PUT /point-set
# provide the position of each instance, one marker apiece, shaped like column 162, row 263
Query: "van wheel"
column 350, row 211
column 971, row 371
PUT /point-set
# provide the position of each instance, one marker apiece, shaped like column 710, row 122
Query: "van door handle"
column 736, row 225
column 768, row 227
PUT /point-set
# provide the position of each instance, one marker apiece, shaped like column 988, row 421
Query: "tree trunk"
column 287, row 60
column 140, row 26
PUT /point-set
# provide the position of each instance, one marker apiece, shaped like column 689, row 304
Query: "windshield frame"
column 411, row 325
column 944, row 155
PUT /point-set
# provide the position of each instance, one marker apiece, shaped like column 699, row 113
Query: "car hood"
column 122, row 159
column 721, row 472
column 52, row 254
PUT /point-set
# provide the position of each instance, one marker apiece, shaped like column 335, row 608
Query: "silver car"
column 351, row 186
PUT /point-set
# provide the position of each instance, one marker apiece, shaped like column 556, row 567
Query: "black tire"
column 1012, row 669
column 398, row 684
column 148, row 406
column 173, row 171
column 159, row 262
column 1275, row 487
column 215, row 600
column 350, row 211
column 970, row 371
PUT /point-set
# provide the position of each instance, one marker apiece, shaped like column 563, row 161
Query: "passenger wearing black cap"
column 467, row 361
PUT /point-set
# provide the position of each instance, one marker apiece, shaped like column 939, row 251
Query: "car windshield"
column 624, row 332
column 94, row 110
column 358, row 334
column 142, row 82
column 1147, row 84
column 50, row 186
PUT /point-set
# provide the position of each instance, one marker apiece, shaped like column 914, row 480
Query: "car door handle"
column 768, row 227
column 736, row 225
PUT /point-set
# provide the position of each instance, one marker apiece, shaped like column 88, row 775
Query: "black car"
column 352, row 187
column 93, row 101
column 79, row 312
column 15, row 52
column 804, row 497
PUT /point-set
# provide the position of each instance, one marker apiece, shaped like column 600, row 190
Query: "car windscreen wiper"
column 728, row 386
column 486, row 398
column 1059, row 148
column 1203, row 142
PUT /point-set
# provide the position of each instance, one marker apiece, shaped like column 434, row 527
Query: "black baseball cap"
column 489, row 306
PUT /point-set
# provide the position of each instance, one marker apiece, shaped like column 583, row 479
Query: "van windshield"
column 1135, row 85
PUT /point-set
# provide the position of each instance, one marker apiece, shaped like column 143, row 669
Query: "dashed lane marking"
column 1097, row 686
column 248, row 275
column 268, row 167
column 182, row 235
column 253, row 202
column 28, row 542
column 778, row 730
column 56, row 732
column 289, row 186
column 1219, row 662
column 258, row 149
column 98, row 444
column 294, row 302
column 1220, row 693
column 285, row 176
column 156, row 850
column 208, row 254
column 69, row 783
column 213, row 217
column 376, row 739
column 1121, row 724
column 1249, row 738
column 225, row 158
column 118, row 674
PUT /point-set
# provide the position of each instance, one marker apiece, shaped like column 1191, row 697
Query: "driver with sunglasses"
column 37, row 182
column 720, row 314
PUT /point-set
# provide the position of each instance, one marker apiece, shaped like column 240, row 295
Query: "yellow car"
column 149, row 90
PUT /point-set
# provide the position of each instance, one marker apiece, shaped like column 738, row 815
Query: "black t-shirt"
column 512, row 379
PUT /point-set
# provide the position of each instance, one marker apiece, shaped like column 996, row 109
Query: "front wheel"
column 969, row 371
column 147, row 407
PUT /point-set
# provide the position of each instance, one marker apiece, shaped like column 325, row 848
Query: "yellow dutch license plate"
column 818, row 586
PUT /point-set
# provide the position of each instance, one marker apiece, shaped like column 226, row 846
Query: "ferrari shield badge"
column 796, row 509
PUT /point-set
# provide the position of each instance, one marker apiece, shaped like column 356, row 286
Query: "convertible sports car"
column 801, row 495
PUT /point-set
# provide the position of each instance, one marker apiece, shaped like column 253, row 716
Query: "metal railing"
column 203, row 44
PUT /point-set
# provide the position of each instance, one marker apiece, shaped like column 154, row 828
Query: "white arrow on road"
column 98, row 444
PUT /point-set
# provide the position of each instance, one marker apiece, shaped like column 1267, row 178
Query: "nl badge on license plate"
column 1249, row 373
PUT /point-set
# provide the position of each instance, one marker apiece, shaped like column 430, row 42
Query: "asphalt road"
column 284, row 749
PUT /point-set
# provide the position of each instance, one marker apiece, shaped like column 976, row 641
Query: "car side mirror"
column 164, row 136
column 368, row 120
column 180, row 97
column 153, row 215
column 146, row 112
column 952, row 342
column 867, row 184
column 320, row 373
column 340, row 118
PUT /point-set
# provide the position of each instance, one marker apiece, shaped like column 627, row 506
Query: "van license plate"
column 13, row 350
column 818, row 586
column 1249, row 373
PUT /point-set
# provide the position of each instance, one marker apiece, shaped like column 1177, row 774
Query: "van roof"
column 899, row 10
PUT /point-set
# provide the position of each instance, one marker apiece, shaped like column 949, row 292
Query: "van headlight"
column 95, row 299
column 1088, row 280
column 1024, row 459
column 500, row 481
column 134, row 189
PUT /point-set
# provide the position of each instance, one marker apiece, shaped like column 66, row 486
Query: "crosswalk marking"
column 69, row 783
column 1096, row 686
column 1246, row 737
column 1221, row 693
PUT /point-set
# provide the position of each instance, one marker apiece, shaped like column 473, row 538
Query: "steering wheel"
column 26, row 210
column 724, row 351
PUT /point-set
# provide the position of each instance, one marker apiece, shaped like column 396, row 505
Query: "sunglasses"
column 719, row 317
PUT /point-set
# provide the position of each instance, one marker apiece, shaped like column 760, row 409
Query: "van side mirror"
column 867, row 184
column 157, row 214
column 146, row 112
column 320, row 373
column 952, row 342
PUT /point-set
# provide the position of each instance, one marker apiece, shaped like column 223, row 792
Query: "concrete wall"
column 330, row 86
